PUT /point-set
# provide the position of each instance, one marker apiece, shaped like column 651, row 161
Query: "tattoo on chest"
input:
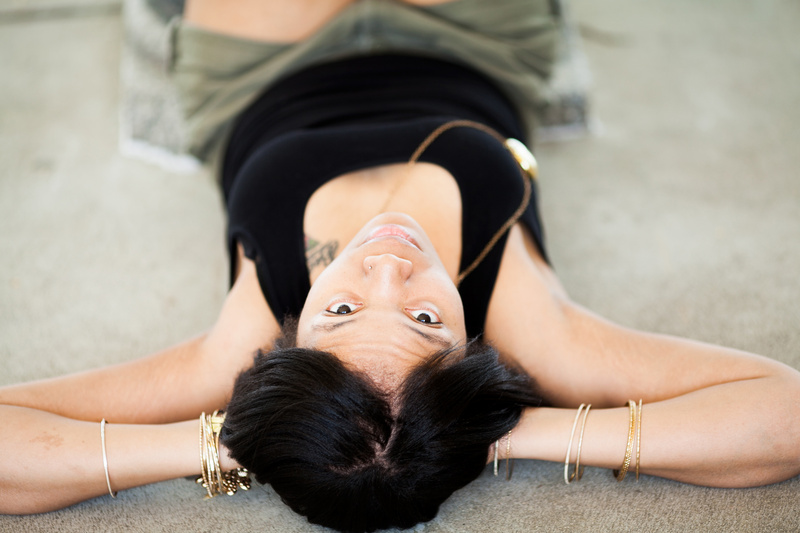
column 320, row 253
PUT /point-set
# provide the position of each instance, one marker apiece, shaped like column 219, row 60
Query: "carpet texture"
column 678, row 214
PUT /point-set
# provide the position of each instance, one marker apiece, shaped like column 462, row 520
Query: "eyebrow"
column 330, row 326
column 433, row 339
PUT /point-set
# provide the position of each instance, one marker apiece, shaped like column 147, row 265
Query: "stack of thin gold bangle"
column 578, row 473
column 509, row 460
column 213, row 479
column 634, row 437
column 633, row 446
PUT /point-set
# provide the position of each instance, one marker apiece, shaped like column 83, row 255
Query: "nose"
column 388, row 266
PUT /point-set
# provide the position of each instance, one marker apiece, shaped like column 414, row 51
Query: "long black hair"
column 350, row 456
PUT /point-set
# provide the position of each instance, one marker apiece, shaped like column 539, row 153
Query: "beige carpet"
column 680, row 214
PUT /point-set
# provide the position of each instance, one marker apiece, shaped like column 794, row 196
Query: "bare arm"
column 174, row 384
column 50, row 462
column 712, row 415
column 716, row 436
column 51, row 456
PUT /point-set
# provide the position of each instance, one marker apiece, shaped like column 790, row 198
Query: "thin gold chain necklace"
column 527, row 166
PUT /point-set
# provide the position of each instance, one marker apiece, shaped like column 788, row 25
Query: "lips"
column 391, row 230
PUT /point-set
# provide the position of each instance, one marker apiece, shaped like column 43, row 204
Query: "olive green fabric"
column 514, row 42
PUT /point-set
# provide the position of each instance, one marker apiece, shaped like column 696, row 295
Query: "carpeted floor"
column 680, row 214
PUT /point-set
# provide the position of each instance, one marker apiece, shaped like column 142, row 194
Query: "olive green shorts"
column 513, row 42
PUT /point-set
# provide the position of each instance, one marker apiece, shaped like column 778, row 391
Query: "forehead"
column 386, row 352
column 387, row 336
column 383, row 330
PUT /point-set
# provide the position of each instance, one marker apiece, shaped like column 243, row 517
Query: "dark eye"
column 342, row 308
column 424, row 316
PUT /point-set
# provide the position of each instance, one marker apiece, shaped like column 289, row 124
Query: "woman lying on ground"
column 431, row 339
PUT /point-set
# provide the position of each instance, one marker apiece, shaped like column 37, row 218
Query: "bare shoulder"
column 245, row 322
column 576, row 356
column 527, row 297
column 170, row 385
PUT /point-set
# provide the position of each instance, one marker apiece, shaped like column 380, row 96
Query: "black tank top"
column 358, row 113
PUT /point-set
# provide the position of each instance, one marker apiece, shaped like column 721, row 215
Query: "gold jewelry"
column 578, row 468
column 105, row 456
column 626, row 463
column 638, row 437
column 523, row 156
column 213, row 479
column 496, row 455
column 567, row 477
column 528, row 169
column 508, row 456
column 204, row 477
column 207, row 467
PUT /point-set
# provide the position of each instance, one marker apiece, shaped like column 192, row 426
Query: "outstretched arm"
column 50, row 462
column 51, row 457
column 730, row 421
column 712, row 415
column 174, row 384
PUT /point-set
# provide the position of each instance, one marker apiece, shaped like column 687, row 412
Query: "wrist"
column 226, row 462
column 142, row 454
column 543, row 433
column 219, row 472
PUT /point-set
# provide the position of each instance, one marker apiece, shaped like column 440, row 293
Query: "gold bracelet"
column 213, row 479
column 212, row 459
column 578, row 468
column 638, row 437
column 567, row 477
column 203, row 468
column 626, row 463
column 105, row 456
column 508, row 456
column 496, row 455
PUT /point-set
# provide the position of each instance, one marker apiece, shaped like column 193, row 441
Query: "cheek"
column 335, row 276
column 341, row 270
column 451, row 297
